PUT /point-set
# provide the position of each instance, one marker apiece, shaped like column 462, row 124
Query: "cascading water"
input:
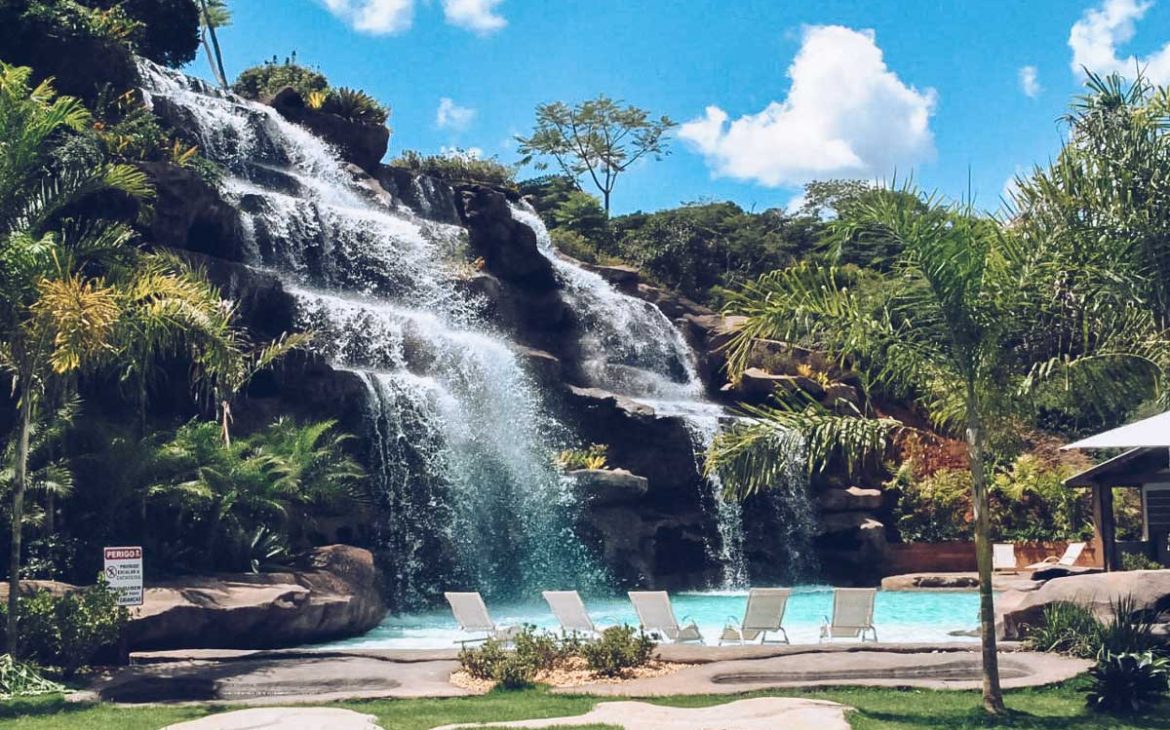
column 631, row 348
column 461, row 447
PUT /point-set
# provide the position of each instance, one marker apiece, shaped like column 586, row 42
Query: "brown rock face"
column 332, row 594
column 1149, row 589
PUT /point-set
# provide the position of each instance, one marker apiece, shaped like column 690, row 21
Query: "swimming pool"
column 900, row 616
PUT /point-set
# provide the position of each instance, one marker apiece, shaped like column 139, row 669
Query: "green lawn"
column 1053, row 708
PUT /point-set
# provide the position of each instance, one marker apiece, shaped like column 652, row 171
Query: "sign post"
column 123, row 571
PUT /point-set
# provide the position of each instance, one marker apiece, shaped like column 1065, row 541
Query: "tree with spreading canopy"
column 598, row 139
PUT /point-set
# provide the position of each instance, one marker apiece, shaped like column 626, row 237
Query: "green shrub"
column 620, row 648
column 1127, row 683
column 1127, row 631
column 458, row 167
column 514, row 672
column 356, row 106
column 1139, row 561
column 482, row 662
column 1067, row 628
column 68, row 631
column 18, row 679
column 270, row 77
column 542, row 650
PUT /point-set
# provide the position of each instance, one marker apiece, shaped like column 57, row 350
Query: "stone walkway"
column 952, row 670
column 307, row 677
column 765, row 713
column 283, row 718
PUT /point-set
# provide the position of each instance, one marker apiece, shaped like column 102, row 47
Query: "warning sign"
column 124, row 574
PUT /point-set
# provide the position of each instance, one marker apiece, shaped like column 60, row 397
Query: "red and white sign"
column 124, row 574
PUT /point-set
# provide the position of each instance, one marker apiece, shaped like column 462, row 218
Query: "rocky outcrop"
column 427, row 196
column 1148, row 589
column 363, row 144
column 659, row 538
column 623, row 278
column 189, row 213
column 507, row 246
column 333, row 593
column 607, row 487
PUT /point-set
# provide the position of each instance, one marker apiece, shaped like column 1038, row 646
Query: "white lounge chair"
column 656, row 616
column 1071, row 555
column 570, row 611
column 764, row 613
column 472, row 616
column 852, row 615
column 1003, row 556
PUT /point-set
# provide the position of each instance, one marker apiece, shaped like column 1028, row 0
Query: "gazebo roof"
column 1153, row 432
column 1131, row 469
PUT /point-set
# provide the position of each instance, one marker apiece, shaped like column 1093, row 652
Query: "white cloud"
column 376, row 17
column 846, row 114
column 1095, row 37
column 452, row 116
column 1028, row 82
column 479, row 16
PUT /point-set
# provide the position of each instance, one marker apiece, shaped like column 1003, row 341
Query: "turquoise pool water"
column 900, row 616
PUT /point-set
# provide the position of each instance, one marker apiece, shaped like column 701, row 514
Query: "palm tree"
column 214, row 14
column 968, row 325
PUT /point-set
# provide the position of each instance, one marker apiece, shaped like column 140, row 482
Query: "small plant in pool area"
column 514, row 672
column 619, row 649
column 1138, row 561
column 18, row 679
column 593, row 457
column 67, row 631
column 1067, row 628
column 483, row 661
column 1127, row 683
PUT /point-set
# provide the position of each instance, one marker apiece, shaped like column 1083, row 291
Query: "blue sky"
column 771, row 92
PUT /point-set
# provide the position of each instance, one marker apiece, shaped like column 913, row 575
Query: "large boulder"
column 602, row 487
column 333, row 593
column 1148, row 589
column 508, row 247
column 850, row 499
column 364, row 144
column 189, row 214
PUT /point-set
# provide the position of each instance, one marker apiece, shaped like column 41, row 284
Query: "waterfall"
column 631, row 348
column 461, row 446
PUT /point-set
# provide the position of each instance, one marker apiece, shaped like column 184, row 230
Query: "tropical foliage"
column 457, row 168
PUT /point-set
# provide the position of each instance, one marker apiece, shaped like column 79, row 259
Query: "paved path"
column 283, row 718
column 306, row 677
column 764, row 713
column 870, row 668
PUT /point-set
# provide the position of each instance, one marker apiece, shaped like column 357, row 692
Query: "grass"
column 1051, row 708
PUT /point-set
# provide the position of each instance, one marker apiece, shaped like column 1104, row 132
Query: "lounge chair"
column 472, row 616
column 764, row 613
column 570, row 611
column 852, row 615
column 1003, row 556
column 656, row 616
column 1071, row 555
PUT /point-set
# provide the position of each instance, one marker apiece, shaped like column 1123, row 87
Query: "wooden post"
column 1104, row 529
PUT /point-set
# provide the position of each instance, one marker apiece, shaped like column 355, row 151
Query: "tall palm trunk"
column 992, row 694
column 215, row 61
column 21, row 470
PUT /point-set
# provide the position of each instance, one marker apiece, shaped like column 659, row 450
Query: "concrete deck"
column 307, row 677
